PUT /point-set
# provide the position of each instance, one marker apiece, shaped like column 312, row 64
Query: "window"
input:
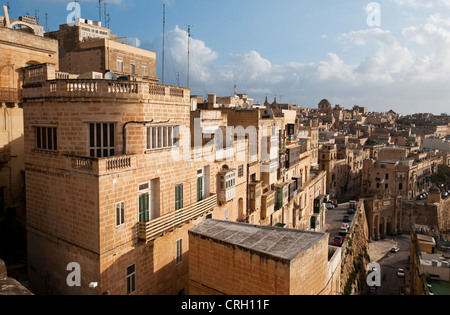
column 46, row 138
column 178, row 197
column 225, row 214
column 386, row 186
column 144, row 200
column 119, row 65
column 120, row 213
column 179, row 251
column 144, row 70
column 241, row 171
column 102, row 139
column 133, row 67
column 400, row 186
column 387, row 177
column 131, row 279
column 161, row 137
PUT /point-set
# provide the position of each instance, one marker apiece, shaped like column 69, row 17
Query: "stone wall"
column 355, row 254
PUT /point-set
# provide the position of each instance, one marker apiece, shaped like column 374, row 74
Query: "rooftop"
column 284, row 244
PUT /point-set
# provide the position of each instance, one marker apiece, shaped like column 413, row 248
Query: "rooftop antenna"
column 178, row 78
column 164, row 34
column 189, row 52
column 235, row 89
column 108, row 20
column 36, row 16
column 105, row 13
column 46, row 22
column 100, row 10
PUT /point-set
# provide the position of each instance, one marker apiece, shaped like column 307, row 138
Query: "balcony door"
column 144, row 213
column 149, row 201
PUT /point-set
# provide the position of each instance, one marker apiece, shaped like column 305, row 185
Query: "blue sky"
column 299, row 51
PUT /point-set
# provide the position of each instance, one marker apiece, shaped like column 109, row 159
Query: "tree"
column 442, row 176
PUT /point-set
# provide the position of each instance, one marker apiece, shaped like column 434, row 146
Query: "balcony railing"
column 10, row 95
column 92, row 88
column 149, row 231
column 101, row 166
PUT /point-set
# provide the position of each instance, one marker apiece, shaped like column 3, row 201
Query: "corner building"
column 103, row 189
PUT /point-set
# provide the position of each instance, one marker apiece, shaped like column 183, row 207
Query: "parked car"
column 351, row 211
column 343, row 231
column 347, row 218
column 401, row 273
column 335, row 203
column 346, row 226
column 395, row 249
column 338, row 241
column 330, row 206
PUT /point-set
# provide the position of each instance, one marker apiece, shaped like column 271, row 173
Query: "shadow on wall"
column 138, row 267
column 12, row 203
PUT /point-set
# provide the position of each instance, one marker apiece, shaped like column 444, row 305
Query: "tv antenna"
column 105, row 14
column 100, row 10
column 164, row 34
column 189, row 52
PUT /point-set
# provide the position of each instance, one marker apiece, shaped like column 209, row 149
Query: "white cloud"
column 392, row 77
column 417, row 4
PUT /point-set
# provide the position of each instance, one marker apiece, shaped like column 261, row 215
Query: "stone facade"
column 80, row 54
column 237, row 265
column 18, row 49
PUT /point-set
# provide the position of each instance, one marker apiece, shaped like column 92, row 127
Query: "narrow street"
column 391, row 283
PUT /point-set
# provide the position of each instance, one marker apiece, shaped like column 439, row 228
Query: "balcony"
column 267, row 204
column 101, row 166
column 149, row 231
column 255, row 189
column 92, row 88
column 10, row 95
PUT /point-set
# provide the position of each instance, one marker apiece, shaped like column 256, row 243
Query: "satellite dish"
column 110, row 76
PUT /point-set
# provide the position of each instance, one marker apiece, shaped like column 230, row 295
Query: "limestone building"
column 21, row 45
column 85, row 47
column 238, row 259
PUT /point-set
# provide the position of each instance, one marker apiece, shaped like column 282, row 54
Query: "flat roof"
column 284, row 244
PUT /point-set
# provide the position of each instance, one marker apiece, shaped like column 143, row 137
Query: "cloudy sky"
column 391, row 54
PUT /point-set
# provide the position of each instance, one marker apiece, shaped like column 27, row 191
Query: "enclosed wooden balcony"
column 149, row 231
column 10, row 95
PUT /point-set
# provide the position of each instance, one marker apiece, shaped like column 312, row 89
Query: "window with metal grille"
column 102, row 139
column 46, row 138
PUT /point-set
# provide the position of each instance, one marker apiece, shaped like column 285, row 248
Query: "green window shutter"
column 144, row 215
column 179, row 197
